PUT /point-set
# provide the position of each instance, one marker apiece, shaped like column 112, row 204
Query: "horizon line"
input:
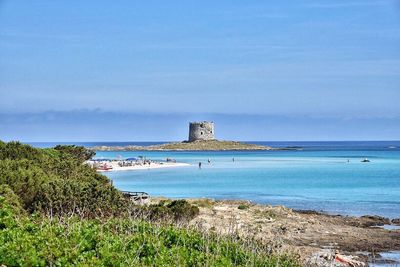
column 169, row 141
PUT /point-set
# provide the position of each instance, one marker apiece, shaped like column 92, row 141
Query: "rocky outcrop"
column 396, row 221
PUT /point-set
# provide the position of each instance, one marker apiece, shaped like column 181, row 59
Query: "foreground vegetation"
column 56, row 211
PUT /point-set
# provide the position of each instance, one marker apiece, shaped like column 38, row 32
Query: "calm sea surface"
column 327, row 176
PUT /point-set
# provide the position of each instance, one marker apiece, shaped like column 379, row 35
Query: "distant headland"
column 200, row 145
column 201, row 138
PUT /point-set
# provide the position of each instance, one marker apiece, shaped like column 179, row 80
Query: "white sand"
column 152, row 165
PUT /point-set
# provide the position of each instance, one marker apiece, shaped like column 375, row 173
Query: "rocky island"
column 204, row 145
column 201, row 137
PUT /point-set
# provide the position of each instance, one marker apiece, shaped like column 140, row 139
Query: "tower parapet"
column 201, row 131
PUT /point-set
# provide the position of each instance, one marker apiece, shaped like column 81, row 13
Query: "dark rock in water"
column 384, row 259
column 367, row 221
column 373, row 220
column 396, row 221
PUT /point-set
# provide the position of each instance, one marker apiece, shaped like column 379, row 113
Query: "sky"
column 141, row 70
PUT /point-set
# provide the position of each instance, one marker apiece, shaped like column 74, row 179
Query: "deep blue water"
column 317, row 177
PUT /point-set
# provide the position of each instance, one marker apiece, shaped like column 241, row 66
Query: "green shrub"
column 16, row 150
column 11, row 199
column 182, row 210
column 78, row 152
column 176, row 210
column 56, row 182
column 243, row 207
column 121, row 242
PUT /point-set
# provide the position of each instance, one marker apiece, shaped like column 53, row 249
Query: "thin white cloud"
column 40, row 36
column 345, row 3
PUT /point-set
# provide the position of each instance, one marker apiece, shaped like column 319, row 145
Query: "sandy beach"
column 147, row 166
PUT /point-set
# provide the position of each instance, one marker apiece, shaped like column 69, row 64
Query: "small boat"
column 104, row 167
column 365, row 160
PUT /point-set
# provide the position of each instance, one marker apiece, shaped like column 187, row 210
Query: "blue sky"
column 276, row 70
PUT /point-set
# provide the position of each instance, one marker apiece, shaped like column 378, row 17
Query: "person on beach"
column 209, row 161
column 199, row 165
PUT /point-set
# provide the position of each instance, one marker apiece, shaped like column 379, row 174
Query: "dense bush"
column 56, row 182
column 31, row 241
column 9, row 197
column 181, row 210
column 79, row 152
column 177, row 211
column 16, row 150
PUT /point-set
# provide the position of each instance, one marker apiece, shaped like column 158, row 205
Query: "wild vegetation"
column 56, row 182
column 57, row 211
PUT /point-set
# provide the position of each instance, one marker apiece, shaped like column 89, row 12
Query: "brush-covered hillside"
column 57, row 211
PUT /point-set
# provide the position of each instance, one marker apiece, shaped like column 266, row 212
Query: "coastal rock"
column 396, row 221
column 306, row 232
column 373, row 220
column 367, row 221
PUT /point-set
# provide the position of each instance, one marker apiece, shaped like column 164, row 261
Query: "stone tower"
column 201, row 131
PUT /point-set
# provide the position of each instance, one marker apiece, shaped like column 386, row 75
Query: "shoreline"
column 316, row 236
column 369, row 219
column 148, row 166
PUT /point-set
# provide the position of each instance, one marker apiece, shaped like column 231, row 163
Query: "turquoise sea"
column 325, row 176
